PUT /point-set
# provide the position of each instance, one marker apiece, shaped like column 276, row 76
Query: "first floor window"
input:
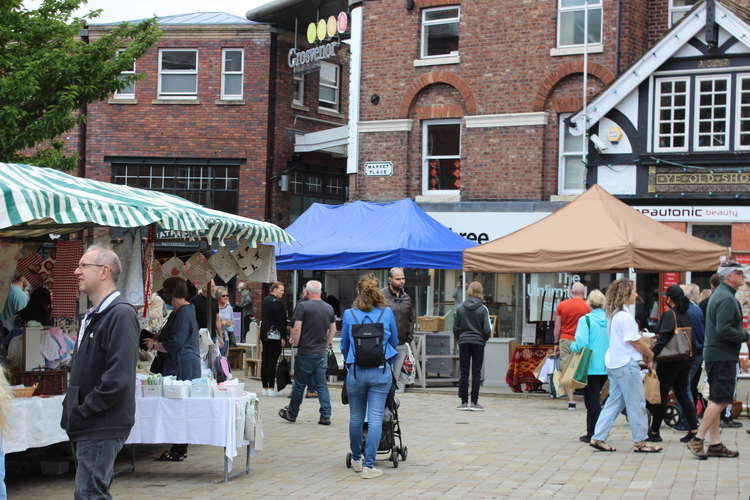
column 712, row 110
column 678, row 9
column 232, row 67
column 743, row 113
column 571, row 22
column 571, row 170
column 178, row 73
column 128, row 91
column 298, row 96
column 329, row 86
column 671, row 111
column 441, row 146
column 440, row 31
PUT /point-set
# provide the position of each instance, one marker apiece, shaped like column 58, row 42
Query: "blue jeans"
column 95, row 467
column 3, row 492
column 694, row 367
column 625, row 391
column 310, row 371
column 367, row 389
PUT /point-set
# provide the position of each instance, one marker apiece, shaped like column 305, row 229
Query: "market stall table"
column 208, row 421
column 34, row 423
column 522, row 363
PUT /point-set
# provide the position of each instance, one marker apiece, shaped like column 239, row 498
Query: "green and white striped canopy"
column 35, row 196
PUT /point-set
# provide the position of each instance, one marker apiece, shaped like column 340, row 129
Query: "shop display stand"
column 442, row 348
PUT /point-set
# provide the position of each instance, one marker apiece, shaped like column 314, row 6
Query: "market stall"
column 596, row 233
column 47, row 219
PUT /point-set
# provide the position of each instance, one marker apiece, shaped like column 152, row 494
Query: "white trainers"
column 357, row 465
column 371, row 472
column 264, row 392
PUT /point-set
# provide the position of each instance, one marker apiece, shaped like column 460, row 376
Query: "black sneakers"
column 284, row 413
column 324, row 420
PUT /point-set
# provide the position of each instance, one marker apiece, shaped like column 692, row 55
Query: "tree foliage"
column 48, row 71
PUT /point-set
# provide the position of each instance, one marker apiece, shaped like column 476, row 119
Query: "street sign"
column 378, row 168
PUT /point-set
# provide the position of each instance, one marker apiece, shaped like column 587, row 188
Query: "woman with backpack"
column 471, row 328
column 369, row 337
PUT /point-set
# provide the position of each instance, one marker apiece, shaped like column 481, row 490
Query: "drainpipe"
column 84, row 34
column 271, row 131
column 618, row 24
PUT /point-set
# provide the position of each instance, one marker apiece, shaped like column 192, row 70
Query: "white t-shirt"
column 622, row 329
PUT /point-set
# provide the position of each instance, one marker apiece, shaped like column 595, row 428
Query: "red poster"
column 743, row 293
column 667, row 280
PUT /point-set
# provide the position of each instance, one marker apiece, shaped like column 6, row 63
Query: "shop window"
column 312, row 184
column 678, row 9
column 178, row 73
column 232, row 66
column 712, row 111
column 742, row 140
column 127, row 92
column 441, row 152
column 571, row 170
column 440, row 31
column 299, row 90
column 718, row 234
column 215, row 187
column 329, row 86
column 571, row 20
column 671, row 111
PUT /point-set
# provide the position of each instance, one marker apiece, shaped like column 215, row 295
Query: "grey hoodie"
column 472, row 322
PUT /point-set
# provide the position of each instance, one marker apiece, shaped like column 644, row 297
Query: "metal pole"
column 585, row 146
column 463, row 285
column 294, row 289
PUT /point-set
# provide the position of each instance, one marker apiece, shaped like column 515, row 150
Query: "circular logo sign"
column 342, row 22
column 321, row 30
column 331, row 26
column 312, row 33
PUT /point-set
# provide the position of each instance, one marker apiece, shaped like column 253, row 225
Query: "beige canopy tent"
column 595, row 232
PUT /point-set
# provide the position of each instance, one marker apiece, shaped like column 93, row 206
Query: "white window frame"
column 192, row 95
column 738, row 112
column 674, row 10
column 224, row 73
column 562, row 156
column 587, row 5
column 118, row 94
column 426, row 160
column 301, row 79
column 696, row 112
column 657, row 115
column 337, row 88
column 450, row 20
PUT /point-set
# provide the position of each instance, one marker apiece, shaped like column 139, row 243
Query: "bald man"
column 99, row 406
column 566, row 322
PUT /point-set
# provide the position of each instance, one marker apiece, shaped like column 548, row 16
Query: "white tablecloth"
column 34, row 422
column 211, row 421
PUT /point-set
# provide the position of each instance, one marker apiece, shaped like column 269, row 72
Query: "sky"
column 118, row 10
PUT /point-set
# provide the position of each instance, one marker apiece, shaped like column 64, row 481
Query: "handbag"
column 157, row 365
column 273, row 334
column 652, row 388
column 333, row 365
column 680, row 346
column 283, row 373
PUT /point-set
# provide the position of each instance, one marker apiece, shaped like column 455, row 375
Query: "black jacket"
column 100, row 401
column 471, row 324
column 272, row 315
column 665, row 328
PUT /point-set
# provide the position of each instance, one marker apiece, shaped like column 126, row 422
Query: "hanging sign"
column 324, row 29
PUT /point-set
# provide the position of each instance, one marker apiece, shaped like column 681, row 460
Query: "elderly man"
column 312, row 333
column 99, row 406
column 721, row 350
column 568, row 313
column 400, row 302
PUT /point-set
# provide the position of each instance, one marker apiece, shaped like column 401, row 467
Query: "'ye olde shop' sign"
column 324, row 29
column 678, row 180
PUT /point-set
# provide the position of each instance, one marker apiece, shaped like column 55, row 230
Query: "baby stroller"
column 391, row 432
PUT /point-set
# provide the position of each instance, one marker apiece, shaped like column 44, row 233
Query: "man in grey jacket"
column 400, row 303
column 472, row 328
column 99, row 405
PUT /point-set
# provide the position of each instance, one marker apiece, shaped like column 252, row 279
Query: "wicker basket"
column 24, row 392
column 47, row 382
column 430, row 323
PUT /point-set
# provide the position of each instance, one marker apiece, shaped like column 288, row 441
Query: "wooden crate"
column 430, row 323
column 49, row 382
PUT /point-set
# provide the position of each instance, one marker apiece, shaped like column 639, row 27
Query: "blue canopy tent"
column 367, row 235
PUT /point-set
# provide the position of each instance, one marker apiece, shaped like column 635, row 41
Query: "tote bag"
column 680, row 346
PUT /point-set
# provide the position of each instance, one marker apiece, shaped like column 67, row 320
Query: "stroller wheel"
column 404, row 453
column 394, row 458
column 671, row 416
column 349, row 460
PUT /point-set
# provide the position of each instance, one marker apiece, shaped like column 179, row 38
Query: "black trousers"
column 470, row 356
column 592, row 398
column 268, row 359
column 673, row 375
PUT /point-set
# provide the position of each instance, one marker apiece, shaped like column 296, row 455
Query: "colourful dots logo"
column 331, row 26
column 342, row 22
column 321, row 30
column 312, row 33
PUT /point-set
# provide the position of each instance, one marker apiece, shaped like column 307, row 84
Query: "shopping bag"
column 547, row 369
column 333, row 365
column 581, row 375
column 570, row 370
column 409, row 366
column 538, row 370
column 557, row 381
column 283, row 373
column 651, row 388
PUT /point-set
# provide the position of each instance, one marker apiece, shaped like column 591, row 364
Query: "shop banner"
column 667, row 280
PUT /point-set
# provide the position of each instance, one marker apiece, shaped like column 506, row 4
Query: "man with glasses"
column 99, row 406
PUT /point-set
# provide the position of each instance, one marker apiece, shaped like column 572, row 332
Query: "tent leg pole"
column 463, row 285
column 294, row 289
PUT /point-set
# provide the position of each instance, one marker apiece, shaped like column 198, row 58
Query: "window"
column 570, row 22
column 127, row 92
column 299, row 90
column 678, row 9
column 671, row 111
column 178, row 73
column 215, row 187
column 440, row 31
column 571, row 170
column 329, row 86
column 232, row 66
column 712, row 112
column 441, row 154
column 742, row 139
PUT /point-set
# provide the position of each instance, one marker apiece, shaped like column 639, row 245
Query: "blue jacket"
column 389, row 326
column 699, row 325
column 595, row 338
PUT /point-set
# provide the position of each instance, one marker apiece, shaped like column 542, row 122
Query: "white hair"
column 315, row 287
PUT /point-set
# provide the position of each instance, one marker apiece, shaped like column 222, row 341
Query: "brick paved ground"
column 518, row 448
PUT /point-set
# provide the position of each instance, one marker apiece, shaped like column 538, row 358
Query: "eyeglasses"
column 225, row 295
column 84, row 265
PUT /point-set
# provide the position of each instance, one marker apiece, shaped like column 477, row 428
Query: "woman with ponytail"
column 367, row 386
